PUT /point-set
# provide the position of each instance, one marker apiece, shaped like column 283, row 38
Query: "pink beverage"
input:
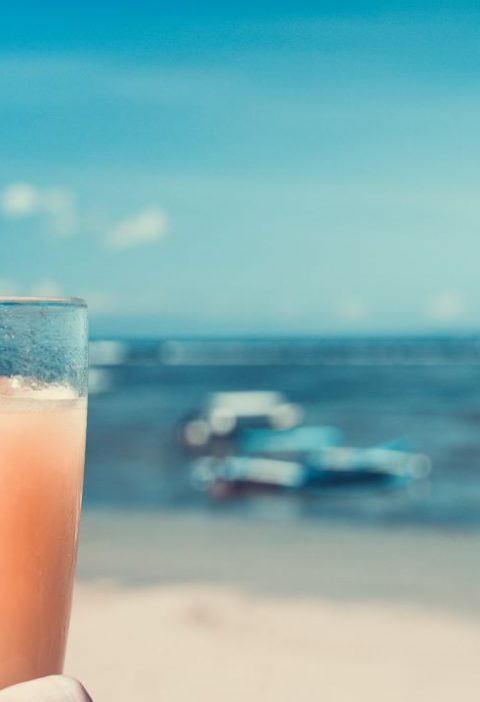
column 42, row 439
column 43, row 386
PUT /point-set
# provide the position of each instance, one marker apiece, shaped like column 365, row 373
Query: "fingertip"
column 72, row 688
column 53, row 688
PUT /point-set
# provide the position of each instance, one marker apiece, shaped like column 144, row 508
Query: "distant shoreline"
column 434, row 569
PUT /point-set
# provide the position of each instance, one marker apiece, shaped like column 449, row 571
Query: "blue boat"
column 302, row 439
column 327, row 470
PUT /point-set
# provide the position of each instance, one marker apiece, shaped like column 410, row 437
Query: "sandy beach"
column 181, row 607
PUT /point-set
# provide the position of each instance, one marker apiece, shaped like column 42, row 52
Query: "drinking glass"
column 43, row 388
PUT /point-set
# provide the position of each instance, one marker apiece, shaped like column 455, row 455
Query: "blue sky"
column 219, row 169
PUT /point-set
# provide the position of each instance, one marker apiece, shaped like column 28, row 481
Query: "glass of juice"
column 43, row 388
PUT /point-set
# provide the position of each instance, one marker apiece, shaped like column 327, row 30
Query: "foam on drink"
column 42, row 438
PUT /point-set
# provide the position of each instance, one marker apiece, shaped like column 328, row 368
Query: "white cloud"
column 55, row 211
column 20, row 200
column 145, row 227
column 447, row 306
column 52, row 205
column 353, row 310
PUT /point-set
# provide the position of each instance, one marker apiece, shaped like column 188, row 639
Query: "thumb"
column 55, row 688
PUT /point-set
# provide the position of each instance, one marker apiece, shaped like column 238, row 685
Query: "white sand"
column 217, row 615
column 184, row 644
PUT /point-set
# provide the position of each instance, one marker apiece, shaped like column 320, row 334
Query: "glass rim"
column 9, row 301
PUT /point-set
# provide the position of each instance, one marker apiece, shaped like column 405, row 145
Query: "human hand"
column 55, row 688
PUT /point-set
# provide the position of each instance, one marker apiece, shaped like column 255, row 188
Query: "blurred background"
column 272, row 210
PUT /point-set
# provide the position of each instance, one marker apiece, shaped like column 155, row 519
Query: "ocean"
column 424, row 391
